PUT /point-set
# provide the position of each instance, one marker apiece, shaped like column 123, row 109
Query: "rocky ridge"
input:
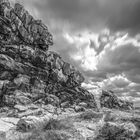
column 41, row 95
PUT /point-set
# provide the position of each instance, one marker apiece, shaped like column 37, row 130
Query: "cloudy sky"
column 100, row 37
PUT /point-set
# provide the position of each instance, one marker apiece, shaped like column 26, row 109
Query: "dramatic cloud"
column 115, row 68
column 119, row 81
column 90, row 14
column 127, row 17
column 121, row 58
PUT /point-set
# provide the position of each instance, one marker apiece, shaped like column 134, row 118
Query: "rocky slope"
column 41, row 95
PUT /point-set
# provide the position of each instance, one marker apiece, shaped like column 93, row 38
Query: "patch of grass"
column 89, row 115
column 62, row 129
column 55, row 124
column 49, row 135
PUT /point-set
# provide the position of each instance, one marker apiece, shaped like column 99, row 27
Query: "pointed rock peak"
column 17, row 26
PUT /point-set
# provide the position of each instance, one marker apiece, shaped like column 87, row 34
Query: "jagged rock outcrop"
column 110, row 100
column 34, row 82
column 43, row 92
column 29, row 72
column 19, row 27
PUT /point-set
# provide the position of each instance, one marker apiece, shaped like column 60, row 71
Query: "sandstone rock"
column 28, row 69
column 23, row 27
column 16, row 97
column 21, row 108
column 77, row 95
column 31, row 123
column 110, row 100
column 28, row 112
column 79, row 109
column 50, row 62
column 58, row 74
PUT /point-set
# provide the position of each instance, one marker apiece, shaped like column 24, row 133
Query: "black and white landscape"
column 69, row 70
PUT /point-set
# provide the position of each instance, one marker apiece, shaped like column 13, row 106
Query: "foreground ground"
column 68, row 125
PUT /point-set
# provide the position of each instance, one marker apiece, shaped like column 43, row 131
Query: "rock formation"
column 29, row 72
column 109, row 100
column 19, row 27
column 41, row 95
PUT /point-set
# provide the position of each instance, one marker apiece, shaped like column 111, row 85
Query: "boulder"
column 31, row 123
column 17, row 97
column 110, row 100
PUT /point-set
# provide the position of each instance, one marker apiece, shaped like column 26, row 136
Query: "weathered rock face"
column 49, row 66
column 29, row 73
column 19, row 27
column 110, row 100
column 34, row 81
column 44, row 93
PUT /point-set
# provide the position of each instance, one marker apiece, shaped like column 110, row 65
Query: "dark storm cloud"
column 127, row 18
column 118, row 15
column 134, row 75
column 78, row 13
column 124, row 58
